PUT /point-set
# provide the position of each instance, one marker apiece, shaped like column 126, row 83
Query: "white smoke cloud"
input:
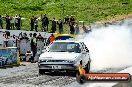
column 110, row 46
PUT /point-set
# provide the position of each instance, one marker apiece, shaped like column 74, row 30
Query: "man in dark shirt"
column 45, row 22
column 67, row 19
column 19, row 22
column 33, row 46
column 32, row 23
column 72, row 30
column 7, row 22
column 72, row 19
column 1, row 23
column 60, row 25
column 53, row 28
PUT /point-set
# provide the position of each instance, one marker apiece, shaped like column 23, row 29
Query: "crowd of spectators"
column 16, row 23
column 11, row 22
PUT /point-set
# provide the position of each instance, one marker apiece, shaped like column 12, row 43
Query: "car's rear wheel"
column 87, row 67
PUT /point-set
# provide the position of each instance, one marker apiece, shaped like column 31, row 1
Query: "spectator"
column 76, row 28
column 51, row 39
column 33, row 46
column 7, row 22
column 67, row 19
column 30, row 37
column 19, row 22
column 45, row 41
column 16, row 22
column 60, row 25
column 12, row 23
column 1, row 23
column 40, row 38
column 53, row 26
column 72, row 30
column 72, row 19
column 45, row 22
column 24, row 36
column 20, row 35
column 42, row 19
column 84, row 28
column 5, row 40
column 36, row 24
column 32, row 23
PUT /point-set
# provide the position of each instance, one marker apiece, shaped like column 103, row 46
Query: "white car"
column 64, row 55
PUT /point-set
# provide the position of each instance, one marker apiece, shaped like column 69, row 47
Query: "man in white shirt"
column 12, row 23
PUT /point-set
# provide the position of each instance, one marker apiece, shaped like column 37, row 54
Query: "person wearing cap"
column 33, row 46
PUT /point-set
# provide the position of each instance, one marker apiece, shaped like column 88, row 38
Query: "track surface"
column 27, row 75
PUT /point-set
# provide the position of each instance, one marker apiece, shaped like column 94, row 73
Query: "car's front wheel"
column 41, row 71
column 87, row 67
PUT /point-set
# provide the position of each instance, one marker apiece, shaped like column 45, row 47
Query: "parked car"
column 64, row 55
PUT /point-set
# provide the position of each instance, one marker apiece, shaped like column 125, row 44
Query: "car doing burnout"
column 64, row 55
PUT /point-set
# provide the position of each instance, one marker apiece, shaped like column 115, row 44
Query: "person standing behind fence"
column 76, row 28
column 84, row 28
column 33, row 46
column 60, row 25
column 53, row 26
column 46, row 22
column 72, row 19
column 32, row 23
column 67, row 19
column 16, row 21
column 30, row 37
column 19, row 22
column 7, row 22
column 1, row 22
column 72, row 30
column 36, row 24
column 12, row 23
column 42, row 19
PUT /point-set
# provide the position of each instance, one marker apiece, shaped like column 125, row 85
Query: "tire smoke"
column 110, row 47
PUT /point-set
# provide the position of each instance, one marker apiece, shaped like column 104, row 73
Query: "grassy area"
column 83, row 10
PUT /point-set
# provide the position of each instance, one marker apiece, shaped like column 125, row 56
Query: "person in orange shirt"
column 51, row 39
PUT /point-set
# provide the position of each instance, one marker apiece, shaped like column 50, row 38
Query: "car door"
column 85, row 53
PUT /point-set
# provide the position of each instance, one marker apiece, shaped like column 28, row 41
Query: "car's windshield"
column 64, row 47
